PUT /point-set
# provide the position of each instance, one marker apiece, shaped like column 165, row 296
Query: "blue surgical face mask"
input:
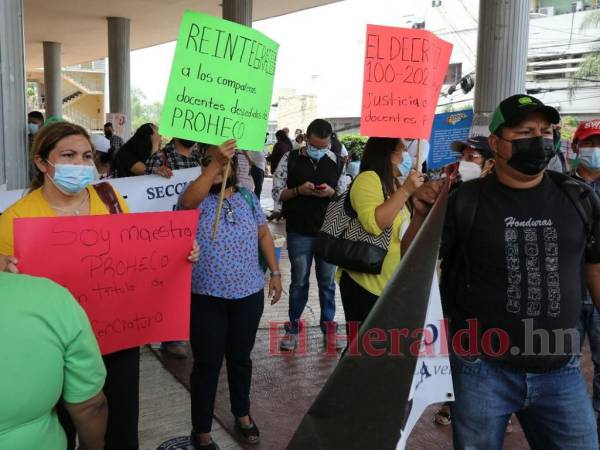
column 316, row 153
column 71, row 179
column 33, row 128
column 406, row 164
column 590, row 157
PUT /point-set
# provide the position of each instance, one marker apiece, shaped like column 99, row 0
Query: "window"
column 454, row 73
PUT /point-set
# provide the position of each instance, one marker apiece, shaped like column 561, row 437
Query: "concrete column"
column 119, row 75
column 501, row 55
column 53, row 79
column 13, row 113
column 239, row 11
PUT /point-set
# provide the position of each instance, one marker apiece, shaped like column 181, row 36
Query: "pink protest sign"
column 128, row 271
column 404, row 72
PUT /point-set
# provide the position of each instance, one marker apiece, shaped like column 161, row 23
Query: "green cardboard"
column 221, row 83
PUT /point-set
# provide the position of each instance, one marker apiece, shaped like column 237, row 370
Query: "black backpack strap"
column 581, row 196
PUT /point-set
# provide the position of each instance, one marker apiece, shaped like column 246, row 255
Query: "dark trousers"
column 357, row 302
column 258, row 176
column 121, row 388
column 222, row 328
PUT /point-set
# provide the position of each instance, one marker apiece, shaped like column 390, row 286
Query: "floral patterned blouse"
column 228, row 266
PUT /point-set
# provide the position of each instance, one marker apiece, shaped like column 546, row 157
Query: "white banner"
column 432, row 381
column 145, row 193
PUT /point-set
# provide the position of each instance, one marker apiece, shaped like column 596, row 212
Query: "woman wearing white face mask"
column 476, row 158
column 64, row 157
column 380, row 202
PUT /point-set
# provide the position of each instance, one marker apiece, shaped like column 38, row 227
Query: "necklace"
column 76, row 211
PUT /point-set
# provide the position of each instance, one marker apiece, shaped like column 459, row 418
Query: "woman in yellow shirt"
column 63, row 155
column 380, row 202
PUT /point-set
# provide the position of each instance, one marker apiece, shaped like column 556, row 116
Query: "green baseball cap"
column 514, row 109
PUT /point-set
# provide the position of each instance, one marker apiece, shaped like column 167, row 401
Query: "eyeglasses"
column 471, row 156
column 228, row 211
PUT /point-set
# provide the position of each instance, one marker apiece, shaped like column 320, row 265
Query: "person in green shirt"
column 48, row 354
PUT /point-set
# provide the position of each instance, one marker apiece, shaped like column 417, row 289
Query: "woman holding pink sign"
column 63, row 155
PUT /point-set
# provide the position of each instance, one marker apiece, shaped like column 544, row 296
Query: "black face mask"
column 186, row 143
column 531, row 155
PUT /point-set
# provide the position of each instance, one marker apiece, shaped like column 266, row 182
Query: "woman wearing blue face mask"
column 64, row 157
column 380, row 201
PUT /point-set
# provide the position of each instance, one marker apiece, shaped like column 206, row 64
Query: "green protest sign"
column 221, row 83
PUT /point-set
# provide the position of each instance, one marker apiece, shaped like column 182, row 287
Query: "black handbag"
column 344, row 242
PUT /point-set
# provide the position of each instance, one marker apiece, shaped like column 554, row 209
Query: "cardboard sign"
column 404, row 72
column 119, row 121
column 447, row 128
column 128, row 271
column 221, row 83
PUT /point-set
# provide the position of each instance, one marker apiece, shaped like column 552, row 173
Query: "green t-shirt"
column 47, row 351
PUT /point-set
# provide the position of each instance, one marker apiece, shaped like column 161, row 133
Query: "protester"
column 338, row 148
column 298, row 143
column 476, row 157
column 280, row 148
column 586, row 145
column 64, row 157
column 257, row 163
column 102, row 155
column 35, row 121
column 513, row 254
column 131, row 158
column 380, row 202
column 177, row 154
column 304, row 182
column 559, row 162
column 55, row 340
column 287, row 136
column 116, row 142
column 353, row 167
column 227, row 293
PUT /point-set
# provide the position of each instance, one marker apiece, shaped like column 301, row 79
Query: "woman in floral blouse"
column 227, row 292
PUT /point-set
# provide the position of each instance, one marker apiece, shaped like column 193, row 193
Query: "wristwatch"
column 275, row 274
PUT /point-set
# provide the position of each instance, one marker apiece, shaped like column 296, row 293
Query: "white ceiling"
column 81, row 26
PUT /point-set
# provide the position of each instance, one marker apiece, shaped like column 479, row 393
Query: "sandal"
column 250, row 433
column 212, row 445
column 443, row 416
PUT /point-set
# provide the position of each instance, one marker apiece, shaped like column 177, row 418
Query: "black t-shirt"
column 525, row 254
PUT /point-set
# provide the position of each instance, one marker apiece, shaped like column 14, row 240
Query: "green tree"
column 143, row 111
column 589, row 69
column 355, row 143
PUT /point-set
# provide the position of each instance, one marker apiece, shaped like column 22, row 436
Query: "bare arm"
column 389, row 209
column 200, row 187
column 592, row 278
column 267, row 247
column 139, row 168
column 423, row 199
column 90, row 418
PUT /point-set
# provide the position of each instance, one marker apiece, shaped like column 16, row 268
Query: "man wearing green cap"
column 516, row 251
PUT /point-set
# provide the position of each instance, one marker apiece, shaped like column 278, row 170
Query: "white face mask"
column 469, row 170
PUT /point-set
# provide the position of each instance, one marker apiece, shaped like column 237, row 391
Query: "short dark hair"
column 499, row 131
column 108, row 124
column 36, row 115
column 319, row 128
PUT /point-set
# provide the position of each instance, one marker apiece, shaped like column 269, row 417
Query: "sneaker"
column 289, row 342
column 340, row 341
column 174, row 349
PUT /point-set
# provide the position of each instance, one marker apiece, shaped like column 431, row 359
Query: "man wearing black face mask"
column 177, row 154
column 519, row 251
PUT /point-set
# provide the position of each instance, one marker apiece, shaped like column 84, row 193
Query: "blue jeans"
column 553, row 408
column 589, row 324
column 301, row 253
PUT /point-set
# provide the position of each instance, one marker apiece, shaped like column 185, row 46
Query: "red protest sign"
column 404, row 73
column 128, row 271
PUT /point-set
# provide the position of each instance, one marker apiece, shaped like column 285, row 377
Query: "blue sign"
column 447, row 128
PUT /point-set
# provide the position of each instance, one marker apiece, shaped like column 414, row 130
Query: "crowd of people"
column 520, row 253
